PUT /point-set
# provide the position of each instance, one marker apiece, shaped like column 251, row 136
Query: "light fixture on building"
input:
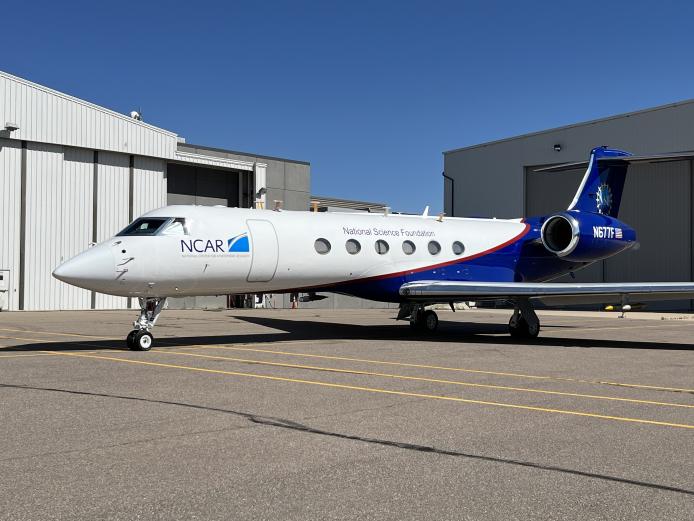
column 11, row 127
column 557, row 147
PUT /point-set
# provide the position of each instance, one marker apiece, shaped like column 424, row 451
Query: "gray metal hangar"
column 73, row 173
column 498, row 179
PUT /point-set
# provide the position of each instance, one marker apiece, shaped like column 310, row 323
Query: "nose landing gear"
column 140, row 339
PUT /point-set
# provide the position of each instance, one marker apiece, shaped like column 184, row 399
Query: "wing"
column 555, row 293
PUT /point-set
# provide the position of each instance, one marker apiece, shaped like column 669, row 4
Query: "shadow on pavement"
column 291, row 330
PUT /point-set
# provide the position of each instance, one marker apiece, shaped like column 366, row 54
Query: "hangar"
column 74, row 173
column 498, row 179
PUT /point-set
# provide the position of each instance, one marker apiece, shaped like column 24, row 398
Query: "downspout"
column 452, row 192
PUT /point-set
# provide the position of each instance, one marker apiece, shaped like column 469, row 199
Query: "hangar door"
column 657, row 203
column 189, row 184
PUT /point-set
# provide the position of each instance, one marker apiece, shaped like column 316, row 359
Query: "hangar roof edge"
column 572, row 125
column 85, row 103
column 236, row 152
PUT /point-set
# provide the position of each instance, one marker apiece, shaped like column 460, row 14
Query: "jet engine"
column 585, row 237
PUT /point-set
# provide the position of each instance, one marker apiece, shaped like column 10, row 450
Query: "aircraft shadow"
column 291, row 330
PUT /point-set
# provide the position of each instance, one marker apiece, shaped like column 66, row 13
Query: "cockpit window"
column 175, row 227
column 145, row 226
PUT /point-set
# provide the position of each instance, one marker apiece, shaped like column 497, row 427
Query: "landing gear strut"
column 140, row 339
column 524, row 322
column 425, row 320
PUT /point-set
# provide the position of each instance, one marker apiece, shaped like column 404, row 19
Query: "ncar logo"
column 239, row 244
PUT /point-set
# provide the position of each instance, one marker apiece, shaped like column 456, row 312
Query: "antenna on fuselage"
column 425, row 213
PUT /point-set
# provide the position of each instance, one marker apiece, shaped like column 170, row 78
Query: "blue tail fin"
column 602, row 185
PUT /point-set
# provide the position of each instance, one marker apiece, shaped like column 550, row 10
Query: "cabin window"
column 408, row 247
column 144, row 226
column 458, row 248
column 382, row 247
column 434, row 247
column 322, row 246
column 352, row 246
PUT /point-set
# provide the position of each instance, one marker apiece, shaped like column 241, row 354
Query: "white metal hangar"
column 74, row 173
column 499, row 179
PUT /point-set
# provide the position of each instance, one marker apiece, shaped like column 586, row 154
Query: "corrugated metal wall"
column 48, row 116
column 77, row 197
column 489, row 177
column 10, row 187
column 112, row 207
column 44, row 229
column 149, row 185
column 59, row 215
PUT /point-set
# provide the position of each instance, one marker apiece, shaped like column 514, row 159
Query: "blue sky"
column 370, row 93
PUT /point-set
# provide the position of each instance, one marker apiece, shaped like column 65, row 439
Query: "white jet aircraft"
column 415, row 261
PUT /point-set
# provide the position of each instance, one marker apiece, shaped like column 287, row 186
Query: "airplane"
column 413, row 260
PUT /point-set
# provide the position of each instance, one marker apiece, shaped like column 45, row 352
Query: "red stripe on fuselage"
column 448, row 263
column 416, row 270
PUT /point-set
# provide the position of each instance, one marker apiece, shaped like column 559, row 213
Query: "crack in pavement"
column 295, row 426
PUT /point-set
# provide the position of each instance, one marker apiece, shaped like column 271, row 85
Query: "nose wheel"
column 140, row 339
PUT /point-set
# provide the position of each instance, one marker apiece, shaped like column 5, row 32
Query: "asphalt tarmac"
column 307, row 414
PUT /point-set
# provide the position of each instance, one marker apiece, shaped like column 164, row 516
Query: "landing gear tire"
column 141, row 341
column 430, row 321
column 130, row 339
column 519, row 328
column 424, row 321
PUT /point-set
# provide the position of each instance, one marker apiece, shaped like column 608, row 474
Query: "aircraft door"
column 264, row 250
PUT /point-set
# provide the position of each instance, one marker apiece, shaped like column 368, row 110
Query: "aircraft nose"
column 90, row 269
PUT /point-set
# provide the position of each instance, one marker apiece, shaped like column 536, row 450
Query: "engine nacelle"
column 585, row 237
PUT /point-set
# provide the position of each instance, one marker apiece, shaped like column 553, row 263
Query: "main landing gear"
column 423, row 320
column 140, row 339
column 524, row 322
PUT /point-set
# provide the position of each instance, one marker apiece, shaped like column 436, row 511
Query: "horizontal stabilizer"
column 569, row 293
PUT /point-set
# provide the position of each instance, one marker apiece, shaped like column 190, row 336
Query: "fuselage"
column 218, row 250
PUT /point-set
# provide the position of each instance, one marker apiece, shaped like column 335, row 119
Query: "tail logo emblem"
column 603, row 199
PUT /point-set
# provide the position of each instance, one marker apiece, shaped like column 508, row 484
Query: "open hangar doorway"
column 199, row 185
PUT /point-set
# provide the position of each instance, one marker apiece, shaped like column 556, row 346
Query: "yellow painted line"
column 40, row 341
column 382, row 391
column 627, row 326
column 43, row 341
column 54, row 333
column 441, row 368
column 21, row 356
column 423, row 379
column 361, row 360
